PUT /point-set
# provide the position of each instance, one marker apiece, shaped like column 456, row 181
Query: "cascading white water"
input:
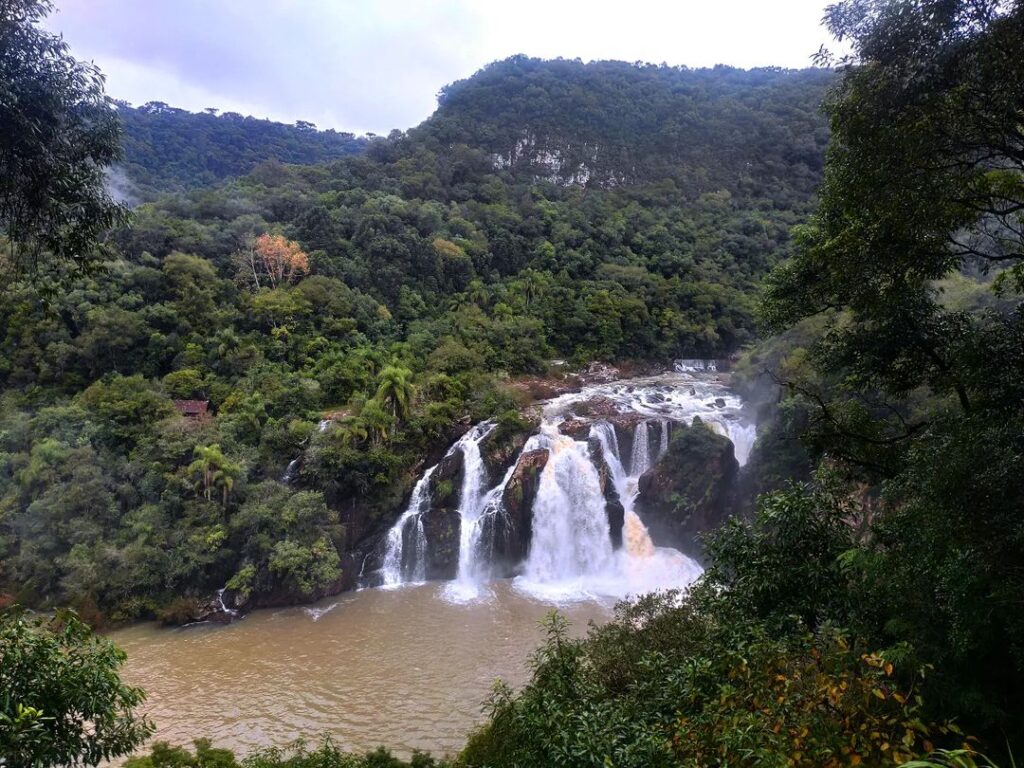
column 474, row 475
column 419, row 573
column 636, row 540
column 394, row 547
column 220, row 600
column 571, row 537
column 742, row 437
column 398, row 568
column 696, row 366
column 291, row 470
column 641, row 460
column 570, row 553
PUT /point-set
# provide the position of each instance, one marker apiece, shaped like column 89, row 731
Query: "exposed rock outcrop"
column 613, row 504
column 508, row 532
column 441, row 522
column 500, row 448
column 690, row 491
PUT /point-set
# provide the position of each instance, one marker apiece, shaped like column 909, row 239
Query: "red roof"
column 192, row 407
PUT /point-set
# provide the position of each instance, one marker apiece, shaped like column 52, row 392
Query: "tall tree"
column 925, row 178
column 395, row 390
column 58, row 133
column 924, row 188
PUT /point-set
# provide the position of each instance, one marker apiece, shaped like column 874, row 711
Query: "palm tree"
column 478, row 294
column 214, row 470
column 395, row 391
column 376, row 421
column 533, row 285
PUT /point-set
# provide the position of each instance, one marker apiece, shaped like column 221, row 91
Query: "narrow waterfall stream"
column 401, row 563
column 471, row 503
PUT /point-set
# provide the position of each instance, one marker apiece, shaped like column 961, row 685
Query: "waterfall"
column 291, row 470
column 569, row 554
column 742, row 437
column 474, row 475
column 394, row 548
column 419, row 573
column 571, row 537
column 635, row 538
column 696, row 366
column 474, row 505
column 220, row 601
column 605, row 434
column 641, row 460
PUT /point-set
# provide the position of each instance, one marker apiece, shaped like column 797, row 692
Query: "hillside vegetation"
column 172, row 150
column 392, row 291
column 868, row 613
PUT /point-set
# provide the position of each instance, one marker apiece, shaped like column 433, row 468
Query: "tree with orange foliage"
column 272, row 260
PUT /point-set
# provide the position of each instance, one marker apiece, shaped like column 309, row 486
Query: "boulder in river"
column 690, row 490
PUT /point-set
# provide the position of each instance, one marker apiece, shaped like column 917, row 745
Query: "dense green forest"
column 868, row 612
column 394, row 292
column 166, row 149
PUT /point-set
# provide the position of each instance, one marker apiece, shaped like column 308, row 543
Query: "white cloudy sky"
column 374, row 65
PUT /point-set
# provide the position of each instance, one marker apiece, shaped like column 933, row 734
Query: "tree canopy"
column 61, row 700
column 58, row 132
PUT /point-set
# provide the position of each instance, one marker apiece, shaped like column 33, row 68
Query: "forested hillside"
column 392, row 292
column 171, row 150
column 756, row 134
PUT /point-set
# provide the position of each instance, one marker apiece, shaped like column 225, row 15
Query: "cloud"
column 373, row 66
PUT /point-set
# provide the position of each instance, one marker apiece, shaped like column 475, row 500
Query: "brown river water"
column 405, row 668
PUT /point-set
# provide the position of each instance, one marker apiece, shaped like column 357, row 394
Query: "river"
column 404, row 667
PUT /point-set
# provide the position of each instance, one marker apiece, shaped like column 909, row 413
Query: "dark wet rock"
column 596, row 408
column 599, row 373
column 441, row 522
column 193, row 610
column 442, row 528
column 613, row 504
column 690, row 490
column 507, row 530
column 447, row 479
column 576, row 428
column 285, row 596
column 500, row 448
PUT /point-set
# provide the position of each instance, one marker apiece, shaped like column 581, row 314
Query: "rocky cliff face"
column 508, row 533
column 500, row 448
column 690, row 490
column 441, row 522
